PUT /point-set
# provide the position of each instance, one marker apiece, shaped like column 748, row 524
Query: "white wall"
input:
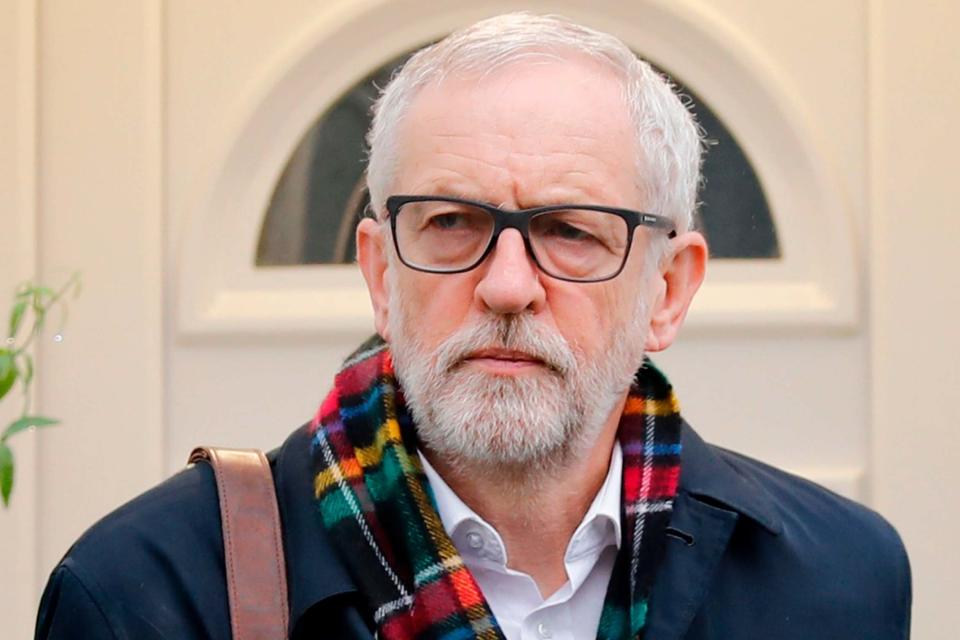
column 106, row 114
column 915, row 294
column 18, row 544
column 80, row 121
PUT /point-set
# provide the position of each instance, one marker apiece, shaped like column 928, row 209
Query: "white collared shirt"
column 573, row 611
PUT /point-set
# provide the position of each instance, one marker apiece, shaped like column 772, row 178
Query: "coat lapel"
column 712, row 500
column 696, row 540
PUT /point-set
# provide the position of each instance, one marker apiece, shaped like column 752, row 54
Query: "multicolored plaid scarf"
column 374, row 499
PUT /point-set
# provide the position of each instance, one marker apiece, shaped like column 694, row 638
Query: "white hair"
column 668, row 138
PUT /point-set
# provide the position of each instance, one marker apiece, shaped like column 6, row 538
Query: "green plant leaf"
column 8, row 371
column 27, row 369
column 26, row 422
column 6, row 473
column 16, row 317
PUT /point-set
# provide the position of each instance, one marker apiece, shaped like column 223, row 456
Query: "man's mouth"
column 504, row 361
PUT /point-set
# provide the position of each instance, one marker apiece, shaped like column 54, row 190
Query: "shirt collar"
column 453, row 511
column 603, row 516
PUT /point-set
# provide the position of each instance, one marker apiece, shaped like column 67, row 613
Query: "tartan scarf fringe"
column 373, row 498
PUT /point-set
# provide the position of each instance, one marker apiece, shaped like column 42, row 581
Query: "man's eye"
column 446, row 220
column 449, row 221
column 566, row 231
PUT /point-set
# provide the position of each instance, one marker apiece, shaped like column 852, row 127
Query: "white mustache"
column 515, row 332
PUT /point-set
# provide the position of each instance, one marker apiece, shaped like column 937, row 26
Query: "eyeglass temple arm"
column 659, row 222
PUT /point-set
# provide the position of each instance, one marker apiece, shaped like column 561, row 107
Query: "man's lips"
column 504, row 359
column 508, row 355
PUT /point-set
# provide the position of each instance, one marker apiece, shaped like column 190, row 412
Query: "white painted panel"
column 915, row 344
column 18, row 535
column 792, row 401
column 100, row 212
column 246, row 394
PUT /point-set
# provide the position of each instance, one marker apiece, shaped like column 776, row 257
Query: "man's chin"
column 508, row 465
column 492, row 444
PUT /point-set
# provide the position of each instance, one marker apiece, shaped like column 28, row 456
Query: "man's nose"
column 510, row 281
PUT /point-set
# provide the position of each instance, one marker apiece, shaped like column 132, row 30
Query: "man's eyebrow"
column 446, row 186
column 452, row 184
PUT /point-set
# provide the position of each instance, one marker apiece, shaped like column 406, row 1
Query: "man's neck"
column 535, row 516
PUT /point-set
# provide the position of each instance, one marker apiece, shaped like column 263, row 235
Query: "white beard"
column 512, row 424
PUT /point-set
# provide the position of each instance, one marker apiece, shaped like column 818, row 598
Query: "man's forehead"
column 555, row 124
column 537, row 87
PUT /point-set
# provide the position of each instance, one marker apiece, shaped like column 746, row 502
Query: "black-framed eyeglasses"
column 578, row 243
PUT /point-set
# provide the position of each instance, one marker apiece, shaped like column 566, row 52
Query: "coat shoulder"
column 802, row 503
column 834, row 561
column 138, row 569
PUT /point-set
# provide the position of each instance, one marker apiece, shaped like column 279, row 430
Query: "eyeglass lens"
column 577, row 244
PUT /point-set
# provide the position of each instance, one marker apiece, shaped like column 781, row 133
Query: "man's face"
column 505, row 364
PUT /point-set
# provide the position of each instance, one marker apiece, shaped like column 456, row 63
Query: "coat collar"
column 707, row 475
column 315, row 575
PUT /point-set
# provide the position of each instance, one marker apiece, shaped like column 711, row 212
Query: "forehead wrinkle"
column 464, row 141
column 566, row 182
column 450, row 182
column 542, row 143
column 517, row 142
column 472, row 159
column 565, row 193
column 541, row 187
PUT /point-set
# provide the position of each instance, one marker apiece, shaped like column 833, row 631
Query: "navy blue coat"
column 753, row 552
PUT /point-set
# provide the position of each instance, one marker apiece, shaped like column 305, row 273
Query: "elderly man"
column 502, row 461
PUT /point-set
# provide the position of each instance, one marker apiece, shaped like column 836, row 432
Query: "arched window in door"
column 267, row 246
column 320, row 195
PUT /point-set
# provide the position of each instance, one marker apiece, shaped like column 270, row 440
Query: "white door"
column 774, row 359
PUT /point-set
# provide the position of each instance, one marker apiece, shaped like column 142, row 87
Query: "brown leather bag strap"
column 252, row 542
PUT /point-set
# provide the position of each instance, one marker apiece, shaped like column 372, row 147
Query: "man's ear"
column 679, row 277
column 372, row 258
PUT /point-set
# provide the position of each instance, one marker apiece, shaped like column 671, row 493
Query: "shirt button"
column 474, row 540
column 544, row 631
